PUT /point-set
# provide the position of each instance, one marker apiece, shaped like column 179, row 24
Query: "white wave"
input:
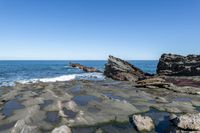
column 84, row 76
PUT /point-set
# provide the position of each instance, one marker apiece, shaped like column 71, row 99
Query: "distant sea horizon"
column 25, row 71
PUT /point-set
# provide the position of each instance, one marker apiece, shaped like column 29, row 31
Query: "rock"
column 154, row 81
column 85, row 68
column 173, row 117
column 177, row 65
column 119, row 69
column 22, row 127
column 99, row 130
column 143, row 123
column 62, row 129
column 188, row 122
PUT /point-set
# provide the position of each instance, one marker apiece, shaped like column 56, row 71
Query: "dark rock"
column 119, row 69
column 177, row 65
column 84, row 68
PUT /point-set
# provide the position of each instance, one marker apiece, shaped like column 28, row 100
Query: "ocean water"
column 51, row 71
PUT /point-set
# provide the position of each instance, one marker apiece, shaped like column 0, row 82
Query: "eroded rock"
column 188, row 122
column 119, row 69
column 143, row 123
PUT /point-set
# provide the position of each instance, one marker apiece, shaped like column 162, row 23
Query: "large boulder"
column 189, row 122
column 143, row 123
column 84, row 68
column 119, row 69
column 177, row 65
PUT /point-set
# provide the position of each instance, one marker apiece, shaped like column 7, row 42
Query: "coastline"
column 90, row 105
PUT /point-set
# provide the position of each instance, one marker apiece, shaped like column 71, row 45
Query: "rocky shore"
column 128, row 101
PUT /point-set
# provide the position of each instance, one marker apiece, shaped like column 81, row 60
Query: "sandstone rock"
column 143, row 123
column 177, row 65
column 154, row 81
column 85, row 68
column 62, row 129
column 119, row 69
column 188, row 122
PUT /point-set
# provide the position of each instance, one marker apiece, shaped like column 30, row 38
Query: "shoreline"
column 93, row 102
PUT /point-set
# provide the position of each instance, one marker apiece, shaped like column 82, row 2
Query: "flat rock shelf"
column 93, row 106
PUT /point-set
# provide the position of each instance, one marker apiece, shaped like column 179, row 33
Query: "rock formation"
column 84, row 68
column 189, row 122
column 143, row 123
column 119, row 69
column 177, row 65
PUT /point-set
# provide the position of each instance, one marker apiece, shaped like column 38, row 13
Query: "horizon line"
column 74, row 59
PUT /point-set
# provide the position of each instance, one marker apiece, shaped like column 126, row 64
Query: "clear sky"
column 93, row 29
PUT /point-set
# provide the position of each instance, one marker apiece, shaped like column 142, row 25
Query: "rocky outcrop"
column 177, row 65
column 119, row 69
column 189, row 122
column 84, row 68
column 143, row 123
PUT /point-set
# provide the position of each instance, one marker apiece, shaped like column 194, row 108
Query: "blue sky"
column 93, row 29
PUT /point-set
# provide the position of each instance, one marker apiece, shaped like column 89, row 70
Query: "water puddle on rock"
column 53, row 117
column 83, row 100
column 182, row 99
column 161, row 120
column 114, row 97
column 94, row 109
column 69, row 113
column 46, row 103
column 11, row 106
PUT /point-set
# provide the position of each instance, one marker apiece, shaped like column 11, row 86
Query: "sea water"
column 51, row 71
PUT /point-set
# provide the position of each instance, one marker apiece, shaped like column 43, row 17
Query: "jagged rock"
column 188, row 122
column 143, row 123
column 85, row 68
column 119, row 69
column 177, row 65
column 62, row 129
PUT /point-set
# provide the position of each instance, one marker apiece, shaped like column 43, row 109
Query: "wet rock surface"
column 85, row 106
column 84, row 68
column 119, row 69
column 177, row 65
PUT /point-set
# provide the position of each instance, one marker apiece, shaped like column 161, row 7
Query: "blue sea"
column 51, row 71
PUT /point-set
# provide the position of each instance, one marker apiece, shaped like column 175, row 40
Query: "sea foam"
column 84, row 76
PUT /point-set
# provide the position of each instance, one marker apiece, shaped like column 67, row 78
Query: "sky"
column 94, row 29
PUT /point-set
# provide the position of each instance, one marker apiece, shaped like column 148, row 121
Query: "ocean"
column 51, row 71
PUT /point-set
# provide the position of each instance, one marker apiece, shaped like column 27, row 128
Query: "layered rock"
column 143, row 123
column 177, row 65
column 119, row 69
column 84, row 68
column 189, row 122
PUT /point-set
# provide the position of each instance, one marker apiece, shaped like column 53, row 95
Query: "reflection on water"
column 10, row 107
column 83, row 100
